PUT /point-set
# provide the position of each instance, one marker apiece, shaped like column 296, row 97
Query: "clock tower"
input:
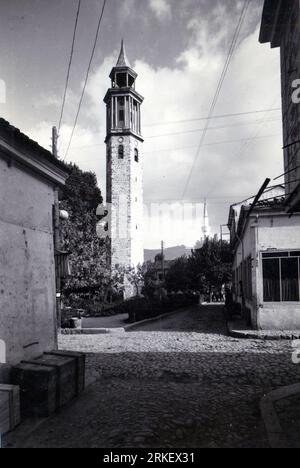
column 124, row 183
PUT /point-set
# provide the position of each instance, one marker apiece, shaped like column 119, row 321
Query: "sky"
column 178, row 48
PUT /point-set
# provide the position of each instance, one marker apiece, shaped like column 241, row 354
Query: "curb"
column 91, row 331
column 265, row 335
column 133, row 326
column 276, row 435
column 105, row 331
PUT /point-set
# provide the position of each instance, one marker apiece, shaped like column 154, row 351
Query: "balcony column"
column 116, row 111
column 111, row 114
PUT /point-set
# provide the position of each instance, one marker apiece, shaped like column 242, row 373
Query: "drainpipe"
column 57, row 248
column 242, row 285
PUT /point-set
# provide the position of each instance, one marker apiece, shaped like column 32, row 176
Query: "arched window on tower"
column 121, row 152
column 136, row 155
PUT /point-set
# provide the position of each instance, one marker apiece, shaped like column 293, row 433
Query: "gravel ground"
column 180, row 382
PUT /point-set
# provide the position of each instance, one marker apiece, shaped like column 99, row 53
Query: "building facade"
column 266, row 266
column 29, row 180
column 281, row 28
column 124, row 165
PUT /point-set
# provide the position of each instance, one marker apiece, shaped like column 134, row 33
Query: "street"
column 179, row 382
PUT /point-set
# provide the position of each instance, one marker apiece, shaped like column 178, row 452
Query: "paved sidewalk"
column 239, row 329
column 180, row 382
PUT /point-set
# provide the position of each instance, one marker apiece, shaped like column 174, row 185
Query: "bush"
column 138, row 308
column 142, row 309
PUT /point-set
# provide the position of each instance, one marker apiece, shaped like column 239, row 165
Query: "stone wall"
column 125, row 193
column 27, row 274
column 290, row 71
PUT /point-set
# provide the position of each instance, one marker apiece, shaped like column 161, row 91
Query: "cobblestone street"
column 179, row 382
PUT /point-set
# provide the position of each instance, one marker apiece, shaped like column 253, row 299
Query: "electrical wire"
column 69, row 66
column 218, row 90
column 86, row 78
column 221, row 116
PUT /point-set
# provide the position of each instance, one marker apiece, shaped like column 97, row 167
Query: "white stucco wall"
column 27, row 271
column 270, row 232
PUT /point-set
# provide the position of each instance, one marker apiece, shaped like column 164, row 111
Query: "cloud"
column 161, row 8
column 127, row 10
column 238, row 152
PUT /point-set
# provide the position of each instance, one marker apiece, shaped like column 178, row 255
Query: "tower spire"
column 123, row 60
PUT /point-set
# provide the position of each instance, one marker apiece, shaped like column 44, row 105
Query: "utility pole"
column 54, row 142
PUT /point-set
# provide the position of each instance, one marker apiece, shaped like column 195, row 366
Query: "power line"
column 221, row 116
column 254, row 135
column 219, row 87
column 219, row 127
column 86, row 78
column 69, row 66
column 222, row 142
column 287, row 172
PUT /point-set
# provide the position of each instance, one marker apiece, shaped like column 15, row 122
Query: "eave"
column 273, row 21
column 38, row 165
column 123, row 92
column 123, row 132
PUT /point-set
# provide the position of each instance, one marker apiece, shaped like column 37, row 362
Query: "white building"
column 29, row 180
column 266, row 266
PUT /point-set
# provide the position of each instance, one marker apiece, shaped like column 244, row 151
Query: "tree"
column 136, row 277
column 79, row 198
column 177, row 277
column 150, row 281
column 210, row 266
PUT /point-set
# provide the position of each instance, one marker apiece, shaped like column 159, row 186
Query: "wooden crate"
column 80, row 367
column 37, row 389
column 65, row 368
column 13, row 393
column 4, row 413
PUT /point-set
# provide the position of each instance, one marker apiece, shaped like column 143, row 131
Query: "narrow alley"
column 179, row 382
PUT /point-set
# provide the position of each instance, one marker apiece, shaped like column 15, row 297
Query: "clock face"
column 121, row 139
column 136, row 143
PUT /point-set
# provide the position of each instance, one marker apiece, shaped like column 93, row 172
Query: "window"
column 121, row 152
column 121, row 80
column 281, row 278
column 136, row 155
column 289, row 279
column 121, row 112
column 121, row 118
column 271, row 279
